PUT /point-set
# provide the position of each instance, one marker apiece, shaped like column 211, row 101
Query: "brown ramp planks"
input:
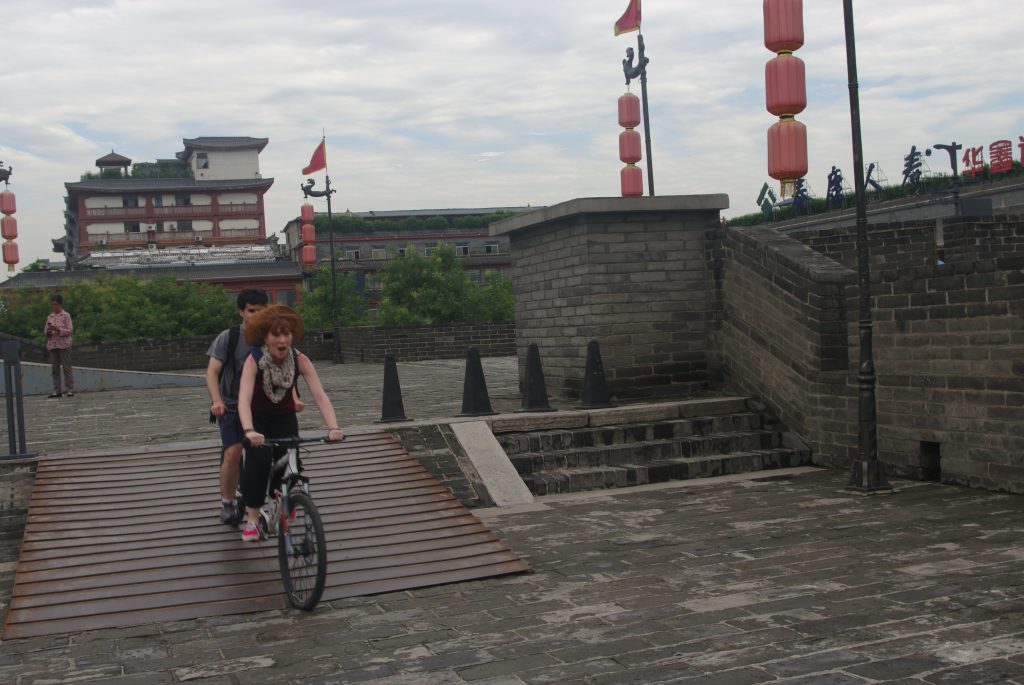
column 132, row 537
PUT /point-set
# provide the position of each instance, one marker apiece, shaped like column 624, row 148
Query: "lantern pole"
column 868, row 474
column 308, row 191
column 632, row 72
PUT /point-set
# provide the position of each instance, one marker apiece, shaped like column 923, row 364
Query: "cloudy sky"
column 482, row 103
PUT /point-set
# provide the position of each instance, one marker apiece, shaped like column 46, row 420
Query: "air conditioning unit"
column 101, row 241
column 199, row 238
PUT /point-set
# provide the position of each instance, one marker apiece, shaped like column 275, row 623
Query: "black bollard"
column 535, row 390
column 392, row 408
column 595, row 388
column 475, row 401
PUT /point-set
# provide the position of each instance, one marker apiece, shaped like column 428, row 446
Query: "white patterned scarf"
column 277, row 380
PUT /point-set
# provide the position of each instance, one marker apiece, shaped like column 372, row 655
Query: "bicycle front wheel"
column 302, row 552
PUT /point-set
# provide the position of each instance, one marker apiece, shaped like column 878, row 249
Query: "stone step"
column 524, row 422
column 662, row 470
column 565, row 439
column 644, row 452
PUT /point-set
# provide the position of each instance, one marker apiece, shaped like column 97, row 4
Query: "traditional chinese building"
column 210, row 194
column 372, row 238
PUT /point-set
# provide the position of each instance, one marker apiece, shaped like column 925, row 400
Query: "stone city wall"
column 363, row 344
column 948, row 341
column 630, row 273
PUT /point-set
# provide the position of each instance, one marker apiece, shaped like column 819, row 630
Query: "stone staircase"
column 634, row 445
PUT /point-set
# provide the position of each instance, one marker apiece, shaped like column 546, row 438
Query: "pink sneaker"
column 251, row 532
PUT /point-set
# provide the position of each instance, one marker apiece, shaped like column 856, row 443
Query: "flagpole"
column 630, row 21
column 336, row 331
column 647, row 119
column 307, row 190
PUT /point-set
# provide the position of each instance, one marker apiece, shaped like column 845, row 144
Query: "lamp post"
column 307, row 191
column 868, row 474
column 631, row 72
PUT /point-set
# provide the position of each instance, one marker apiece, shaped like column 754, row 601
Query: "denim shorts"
column 230, row 429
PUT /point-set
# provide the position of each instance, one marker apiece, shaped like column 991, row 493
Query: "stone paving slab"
column 782, row 579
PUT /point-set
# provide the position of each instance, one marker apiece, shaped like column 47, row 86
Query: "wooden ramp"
column 133, row 538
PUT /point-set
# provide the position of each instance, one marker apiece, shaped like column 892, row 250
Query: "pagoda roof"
column 221, row 143
column 113, row 159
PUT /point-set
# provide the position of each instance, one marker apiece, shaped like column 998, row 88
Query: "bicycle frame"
column 289, row 463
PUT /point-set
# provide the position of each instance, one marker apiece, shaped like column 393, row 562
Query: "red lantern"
column 783, row 25
column 10, row 254
column 9, row 228
column 787, row 150
column 629, row 110
column 306, row 213
column 307, row 255
column 308, row 233
column 632, row 181
column 7, row 204
column 785, row 86
column 629, row 146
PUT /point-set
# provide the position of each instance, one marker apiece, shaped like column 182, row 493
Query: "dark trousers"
column 61, row 360
column 257, row 461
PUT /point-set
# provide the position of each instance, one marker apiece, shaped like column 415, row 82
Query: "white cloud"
column 468, row 103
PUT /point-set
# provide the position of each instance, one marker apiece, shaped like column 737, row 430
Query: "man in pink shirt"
column 58, row 343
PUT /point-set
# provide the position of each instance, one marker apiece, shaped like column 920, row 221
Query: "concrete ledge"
column 500, row 478
column 36, row 379
column 611, row 205
column 509, row 423
column 614, row 416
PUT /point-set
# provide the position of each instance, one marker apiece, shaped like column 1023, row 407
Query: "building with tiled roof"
column 210, row 194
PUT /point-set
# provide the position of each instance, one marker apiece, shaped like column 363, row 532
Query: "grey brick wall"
column 363, row 344
column 632, row 275
column 889, row 245
column 783, row 336
column 948, row 341
column 984, row 239
column 949, row 350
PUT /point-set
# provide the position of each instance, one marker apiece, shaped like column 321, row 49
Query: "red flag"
column 319, row 159
column 630, row 20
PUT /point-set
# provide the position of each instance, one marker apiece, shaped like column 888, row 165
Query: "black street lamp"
column 868, row 473
column 307, row 191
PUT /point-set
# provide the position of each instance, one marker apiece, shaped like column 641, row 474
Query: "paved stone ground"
column 130, row 418
column 736, row 581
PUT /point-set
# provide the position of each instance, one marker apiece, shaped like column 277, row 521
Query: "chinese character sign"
column 973, row 161
column 912, row 169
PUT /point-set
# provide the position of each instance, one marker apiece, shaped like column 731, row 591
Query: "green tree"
column 315, row 308
column 498, row 296
column 422, row 290
column 124, row 307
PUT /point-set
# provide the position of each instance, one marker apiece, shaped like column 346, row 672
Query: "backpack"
column 233, row 334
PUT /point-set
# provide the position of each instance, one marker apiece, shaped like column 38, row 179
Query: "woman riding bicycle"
column 268, row 402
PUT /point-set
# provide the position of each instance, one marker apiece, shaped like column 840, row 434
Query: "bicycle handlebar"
column 296, row 441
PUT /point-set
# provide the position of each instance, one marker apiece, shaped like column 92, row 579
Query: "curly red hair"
column 277, row 318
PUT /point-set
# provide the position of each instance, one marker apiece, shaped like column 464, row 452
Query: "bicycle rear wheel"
column 302, row 553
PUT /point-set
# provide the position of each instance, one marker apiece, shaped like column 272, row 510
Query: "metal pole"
column 647, row 119
column 15, row 398
column 868, row 475
column 336, row 333
column 12, row 425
